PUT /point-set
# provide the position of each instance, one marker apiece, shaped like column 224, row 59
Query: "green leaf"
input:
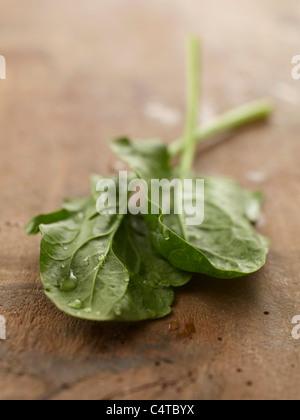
column 111, row 267
column 226, row 245
column 104, row 267
column 110, row 277
column 69, row 207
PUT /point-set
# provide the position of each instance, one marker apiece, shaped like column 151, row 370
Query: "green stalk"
column 188, row 143
column 231, row 120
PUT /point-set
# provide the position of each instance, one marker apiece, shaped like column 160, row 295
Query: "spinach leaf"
column 226, row 245
column 69, row 207
column 114, row 267
column 103, row 267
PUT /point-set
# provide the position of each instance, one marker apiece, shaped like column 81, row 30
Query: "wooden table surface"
column 82, row 72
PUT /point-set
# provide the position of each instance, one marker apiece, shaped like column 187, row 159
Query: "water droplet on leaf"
column 69, row 284
column 88, row 310
column 118, row 311
column 86, row 261
column 76, row 304
column 166, row 234
column 101, row 258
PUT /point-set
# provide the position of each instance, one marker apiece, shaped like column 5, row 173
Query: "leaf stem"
column 188, row 143
column 236, row 118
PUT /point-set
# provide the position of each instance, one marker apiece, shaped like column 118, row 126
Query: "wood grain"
column 79, row 73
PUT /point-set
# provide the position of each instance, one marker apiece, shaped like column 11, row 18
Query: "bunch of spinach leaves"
column 124, row 267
